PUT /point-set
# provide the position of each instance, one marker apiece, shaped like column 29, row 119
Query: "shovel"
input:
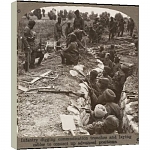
column 68, row 123
column 75, row 74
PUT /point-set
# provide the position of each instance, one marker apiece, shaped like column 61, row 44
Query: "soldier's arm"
column 80, row 44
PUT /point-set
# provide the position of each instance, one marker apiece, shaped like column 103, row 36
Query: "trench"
column 38, row 115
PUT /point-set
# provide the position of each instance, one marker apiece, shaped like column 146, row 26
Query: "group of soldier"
column 105, row 91
column 117, row 27
column 73, row 36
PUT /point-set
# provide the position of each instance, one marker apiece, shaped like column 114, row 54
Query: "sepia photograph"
column 77, row 72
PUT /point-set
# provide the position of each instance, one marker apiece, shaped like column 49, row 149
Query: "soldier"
column 78, row 20
column 58, row 30
column 79, row 34
column 68, row 29
column 107, row 61
column 112, row 52
column 111, row 28
column 70, row 55
column 31, row 49
column 121, row 27
column 92, row 35
column 131, row 26
column 109, row 125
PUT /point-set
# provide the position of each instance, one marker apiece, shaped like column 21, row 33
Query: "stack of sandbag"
column 129, row 105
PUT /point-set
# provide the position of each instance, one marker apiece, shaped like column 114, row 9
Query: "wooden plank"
column 67, row 122
column 24, row 89
column 41, row 76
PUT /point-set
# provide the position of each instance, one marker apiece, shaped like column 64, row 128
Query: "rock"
column 79, row 67
column 73, row 110
column 131, row 108
column 81, row 102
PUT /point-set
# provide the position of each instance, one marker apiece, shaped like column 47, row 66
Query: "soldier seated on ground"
column 101, row 86
column 116, row 65
column 101, row 53
column 114, row 109
column 91, row 79
column 70, row 55
column 112, row 52
column 98, row 114
column 108, row 62
column 110, row 125
column 119, row 79
column 106, row 74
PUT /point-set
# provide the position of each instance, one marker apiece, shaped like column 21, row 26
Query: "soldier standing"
column 111, row 28
column 58, row 30
column 30, row 48
column 78, row 20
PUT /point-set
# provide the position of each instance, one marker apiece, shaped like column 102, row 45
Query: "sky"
column 83, row 9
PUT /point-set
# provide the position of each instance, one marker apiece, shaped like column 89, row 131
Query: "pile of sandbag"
column 129, row 105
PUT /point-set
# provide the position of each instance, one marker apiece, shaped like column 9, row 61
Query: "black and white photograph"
column 77, row 72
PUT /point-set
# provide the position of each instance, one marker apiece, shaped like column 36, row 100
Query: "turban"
column 109, row 95
column 100, row 111
column 113, row 109
column 111, row 123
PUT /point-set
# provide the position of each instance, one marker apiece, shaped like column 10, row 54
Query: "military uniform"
column 68, row 30
column 79, row 22
column 57, row 31
column 79, row 34
column 111, row 29
column 31, row 48
column 70, row 54
column 121, row 28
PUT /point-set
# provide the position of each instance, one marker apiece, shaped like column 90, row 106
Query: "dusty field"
column 38, row 114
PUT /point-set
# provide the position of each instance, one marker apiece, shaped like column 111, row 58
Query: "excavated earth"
column 38, row 113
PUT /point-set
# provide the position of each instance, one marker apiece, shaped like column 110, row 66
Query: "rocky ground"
column 38, row 113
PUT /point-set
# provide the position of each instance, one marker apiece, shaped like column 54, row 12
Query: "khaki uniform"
column 70, row 54
column 79, row 22
column 31, row 48
column 57, row 31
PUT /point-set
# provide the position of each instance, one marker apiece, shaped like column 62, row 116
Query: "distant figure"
column 78, row 21
column 68, row 29
column 58, row 30
column 121, row 27
column 92, row 35
column 111, row 28
column 131, row 26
